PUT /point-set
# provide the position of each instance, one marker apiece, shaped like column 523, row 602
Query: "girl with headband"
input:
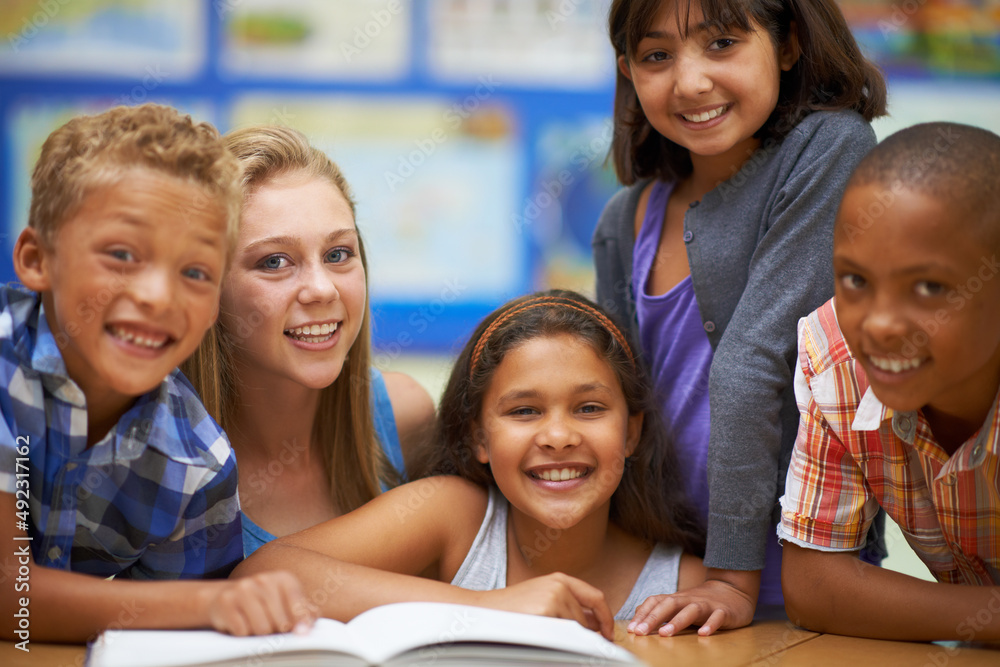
column 553, row 488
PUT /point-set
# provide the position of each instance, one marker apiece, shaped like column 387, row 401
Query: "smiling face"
column 130, row 285
column 556, row 430
column 918, row 301
column 710, row 91
column 295, row 297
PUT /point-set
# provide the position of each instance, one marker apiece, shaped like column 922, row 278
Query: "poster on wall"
column 550, row 43
column 928, row 37
column 572, row 184
column 435, row 183
column 316, row 39
column 137, row 39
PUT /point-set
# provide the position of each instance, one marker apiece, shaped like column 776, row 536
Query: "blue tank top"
column 255, row 537
column 679, row 353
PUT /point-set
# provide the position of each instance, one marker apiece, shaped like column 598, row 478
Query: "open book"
column 404, row 633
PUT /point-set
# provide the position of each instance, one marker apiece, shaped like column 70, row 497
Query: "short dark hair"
column 831, row 74
column 951, row 162
column 650, row 501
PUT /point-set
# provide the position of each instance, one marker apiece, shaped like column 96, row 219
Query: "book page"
column 391, row 630
column 427, row 629
column 176, row 648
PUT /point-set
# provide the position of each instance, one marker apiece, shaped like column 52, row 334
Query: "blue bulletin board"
column 473, row 132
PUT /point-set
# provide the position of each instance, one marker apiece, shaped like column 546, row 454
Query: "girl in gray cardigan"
column 736, row 127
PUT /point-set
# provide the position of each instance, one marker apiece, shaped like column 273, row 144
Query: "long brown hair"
column 650, row 501
column 355, row 462
column 831, row 73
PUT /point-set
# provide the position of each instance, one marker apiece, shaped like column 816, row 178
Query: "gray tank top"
column 485, row 566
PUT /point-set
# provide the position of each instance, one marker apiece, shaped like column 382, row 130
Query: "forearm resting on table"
column 836, row 592
column 73, row 607
column 342, row 590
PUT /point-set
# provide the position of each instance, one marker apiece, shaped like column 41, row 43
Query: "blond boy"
column 109, row 464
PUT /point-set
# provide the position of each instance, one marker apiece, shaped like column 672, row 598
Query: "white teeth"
column 316, row 333
column 708, row 115
column 894, row 364
column 129, row 337
column 559, row 475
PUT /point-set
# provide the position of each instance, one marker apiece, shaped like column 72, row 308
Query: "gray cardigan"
column 759, row 247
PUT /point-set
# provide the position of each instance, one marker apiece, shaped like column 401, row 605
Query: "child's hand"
column 261, row 604
column 714, row 605
column 558, row 595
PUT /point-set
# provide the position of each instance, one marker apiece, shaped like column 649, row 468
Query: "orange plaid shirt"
column 853, row 454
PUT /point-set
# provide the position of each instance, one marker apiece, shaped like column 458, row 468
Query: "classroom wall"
column 473, row 132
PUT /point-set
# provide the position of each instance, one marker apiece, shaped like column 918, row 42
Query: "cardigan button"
column 688, row 235
column 709, row 327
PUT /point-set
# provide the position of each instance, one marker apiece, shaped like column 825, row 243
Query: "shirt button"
column 70, row 466
column 709, row 327
column 949, row 480
column 977, row 450
column 688, row 235
column 904, row 423
column 55, row 553
column 694, row 203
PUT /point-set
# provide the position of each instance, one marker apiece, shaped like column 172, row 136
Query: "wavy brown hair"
column 355, row 462
column 650, row 501
column 831, row 73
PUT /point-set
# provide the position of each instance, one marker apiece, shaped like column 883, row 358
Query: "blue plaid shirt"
column 154, row 499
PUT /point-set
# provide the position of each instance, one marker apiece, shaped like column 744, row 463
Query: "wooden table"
column 763, row 644
column 779, row 643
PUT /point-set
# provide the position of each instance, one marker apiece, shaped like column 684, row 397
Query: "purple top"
column 679, row 354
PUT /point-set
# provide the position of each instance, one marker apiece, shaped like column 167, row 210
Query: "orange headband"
column 542, row 302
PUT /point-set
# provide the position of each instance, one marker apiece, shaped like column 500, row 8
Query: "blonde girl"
column 287, row 369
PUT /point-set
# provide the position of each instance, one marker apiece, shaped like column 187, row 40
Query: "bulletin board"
column 472, row 132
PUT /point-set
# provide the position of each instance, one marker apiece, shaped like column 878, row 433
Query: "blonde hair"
column 355, row 462
column 93, row 152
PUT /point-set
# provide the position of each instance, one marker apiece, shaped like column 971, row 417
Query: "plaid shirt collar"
column 871, row 413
